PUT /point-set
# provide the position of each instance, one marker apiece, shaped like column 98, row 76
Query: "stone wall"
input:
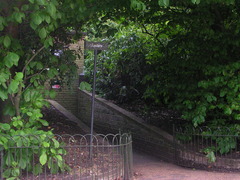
column 110, row 118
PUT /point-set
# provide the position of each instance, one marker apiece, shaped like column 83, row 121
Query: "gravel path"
column 147, row 167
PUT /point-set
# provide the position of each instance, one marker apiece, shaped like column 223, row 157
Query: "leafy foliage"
column 34, row 38
column 121, row 68
column 33, row 49
column 187, row 68
column 189, row 65
column 23, row 132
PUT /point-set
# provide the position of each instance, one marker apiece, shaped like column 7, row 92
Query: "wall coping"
column 130, row 116
column 70, row 116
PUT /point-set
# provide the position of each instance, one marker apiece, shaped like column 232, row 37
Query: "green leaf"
column 13, row 87
column 11, row 59
column 44, row 123
column 61, row 151
column 19, row 16
column 228, row 111
column 20, row 123
column 3, row 94
column 85, row 86
column 43, row 33
column 9, row 110
column 138, row 5
column 15, row 123
column 31, row 1
column 27, row 95
column 56, row 143
column 2, row 23
column 223, row 93
column 48, row 42
column 29, row 114
column 46, row 144
column 16, row 172
column 36, row 18
column 163, row 2
column 39, row 65
column 43, row 158
column 211, row 157
column 5, row 126
column 25, row 7
column 51, row 9
column 54, row 168
column 7, row 173
column 41, row 2
column 48, row 19
column 237, row 116
column 37, row 169
column 59, row 157
column 53, row 150
column 196, row 1
column 11, row 178
column 51, row 73
column 7, row 41
column 9, row 158
column 18, row 76
column 23, row 163
column 33, row 25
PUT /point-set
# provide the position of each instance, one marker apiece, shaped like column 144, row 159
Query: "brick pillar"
column 67, row 96
column 79, row 48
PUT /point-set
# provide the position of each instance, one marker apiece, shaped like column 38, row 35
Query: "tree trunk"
column 4, row 118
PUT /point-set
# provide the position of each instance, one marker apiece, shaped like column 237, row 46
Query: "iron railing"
column 208, row 148
column 111, row 158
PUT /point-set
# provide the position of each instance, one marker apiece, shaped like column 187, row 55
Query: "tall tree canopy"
column 34, row 32
column 192, row 51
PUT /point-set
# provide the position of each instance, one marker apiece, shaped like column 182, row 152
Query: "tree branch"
column 155, row 37
column 29, row 77
column 24, row 69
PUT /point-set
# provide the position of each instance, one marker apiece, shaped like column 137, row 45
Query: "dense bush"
column 199, row 73
column 121, row 69
column 190, row 69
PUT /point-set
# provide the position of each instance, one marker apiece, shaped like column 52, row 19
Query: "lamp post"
column 94, row 46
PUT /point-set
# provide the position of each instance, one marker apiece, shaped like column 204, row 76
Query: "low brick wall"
column 110, row 118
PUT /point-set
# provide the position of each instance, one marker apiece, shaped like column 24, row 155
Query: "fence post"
column 174, row 145
column 130, row 156
column 127, row 153
column 1, row 156
column 126, row 173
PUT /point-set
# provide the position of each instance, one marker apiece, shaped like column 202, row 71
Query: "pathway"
column 147, row 167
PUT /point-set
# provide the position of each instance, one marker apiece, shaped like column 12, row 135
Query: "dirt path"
column 147, row 167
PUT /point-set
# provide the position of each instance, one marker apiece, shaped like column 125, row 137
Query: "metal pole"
column 1, row 151
column 93, row 102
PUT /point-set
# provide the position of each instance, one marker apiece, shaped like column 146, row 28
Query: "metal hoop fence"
column 66, row 157
column 208, row 148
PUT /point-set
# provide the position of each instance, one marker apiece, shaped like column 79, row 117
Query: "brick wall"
column 110, row 118
column 67, row 96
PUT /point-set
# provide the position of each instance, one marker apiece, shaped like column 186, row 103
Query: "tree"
column 193, row 70
column 32, row 33
column 33, row 30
